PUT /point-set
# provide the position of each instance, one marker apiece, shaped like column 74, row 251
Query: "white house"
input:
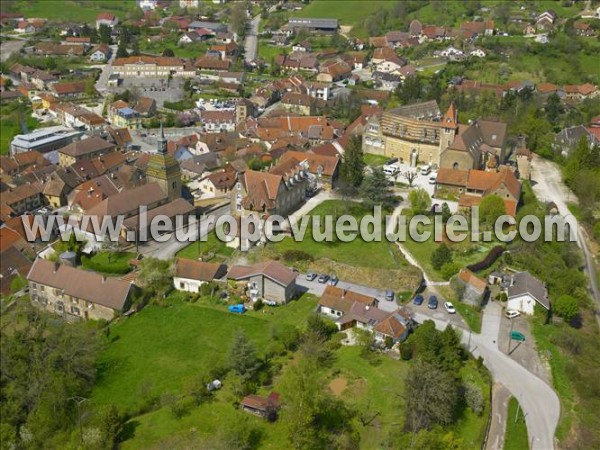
column 452, row 52
column 147, row 4
column 478, row 53
column 389, row 65
column 100, row 53
column 190, row 275
column 524, row 291
column 106, row 18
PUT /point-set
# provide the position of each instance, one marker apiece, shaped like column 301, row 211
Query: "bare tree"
column 410, row 176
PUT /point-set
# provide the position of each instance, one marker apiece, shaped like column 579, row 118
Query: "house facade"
column 524, row 291
column 190, row 275
column 270, row 280
column 77, row 294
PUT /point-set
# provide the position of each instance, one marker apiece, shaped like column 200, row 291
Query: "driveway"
column 102, row 82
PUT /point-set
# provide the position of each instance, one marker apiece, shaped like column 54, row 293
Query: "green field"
column 10, row 124
column 268, row 52
column 374, row 160
column 516, row 432
column 348, row 12
column 159, row 350
column 67, row 11
column 378, row 255
column 108, row 262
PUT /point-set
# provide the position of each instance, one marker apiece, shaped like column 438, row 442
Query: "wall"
column 523, row 303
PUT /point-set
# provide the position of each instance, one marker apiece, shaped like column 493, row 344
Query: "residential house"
column 524, row 291
column 568, row 138
column 268, row 280
column 85, row 149
column 218, row 121
column 145, row 107
column 13, row 264
column 395, row 327
column 59, row 186
column 106, row 18
column 44, row 140
column 577, row 93
column 299, row 103
column 324, row 168
column 69, row 91
column 219, row 183
column 472, row 30
column 23, row 198
column 100, row 53
column 334, row 70
column 90, row 193
column 211, row 63
column 546, row 20
column 583, row 29
column 75, row 293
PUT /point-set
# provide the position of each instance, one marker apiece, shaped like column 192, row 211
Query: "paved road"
column 101, row 83
column 251, row 43
column 168, row 249
column 548, row 186
column 539, row 402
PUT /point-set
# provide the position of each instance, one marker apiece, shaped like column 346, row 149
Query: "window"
column 43, row 288
column 373, row 128
column 181, row 285
column 75, row 310
column 455, row 166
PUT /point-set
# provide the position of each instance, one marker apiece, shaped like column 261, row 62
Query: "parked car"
column 271, row 303
column 432, row 178
column 511, row 313
column 426, row 170
column 323, row 278
column 433, row 302
column 310, row 276
column 389, row 295
column 391, row 161
column 418, row 300
column 450, row 308
column 333, row 280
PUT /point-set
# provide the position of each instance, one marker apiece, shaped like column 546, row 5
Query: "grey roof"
column 424, row 110
column 571, row 136
column 213, row 26
column 524, row 283
column 313, row 23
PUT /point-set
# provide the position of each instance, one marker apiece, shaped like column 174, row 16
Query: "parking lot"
column 160, row 89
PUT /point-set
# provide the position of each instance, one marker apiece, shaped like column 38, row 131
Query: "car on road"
column 323, row 278
column 450, row 308
column 333, row 280
column 511, row 313
column 389, row 295
column 418, row 300
column 432, row 303
column 310, row 276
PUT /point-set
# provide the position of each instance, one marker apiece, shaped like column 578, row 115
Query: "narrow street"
column 548, row 186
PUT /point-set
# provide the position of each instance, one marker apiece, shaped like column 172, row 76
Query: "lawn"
column 374, row 160
column 108, row 262
column 348, row 12
column 379, row 255
column 161, row 349
column 10, row 125
column 71, row 11
column 470, row 314
column 213, row 248
column 269, row 52
column 516, row 432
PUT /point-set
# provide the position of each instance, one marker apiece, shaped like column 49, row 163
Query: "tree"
column 490, row 208
column 104, row 34
column 242, row 357
column 110, row 425
column 238, row 19
column 90, row 87
column 553, row 108
column 410, row 89
column 567, row 307
column 419, row 200
column 446, row 213
column 122, row 49
column 303, row 396
column 352, row 166
column 410, row 176
column 431, row 396
column 474, row 397
column 156, row 274
column 375, row 189
column 168, row 52
column 440, row 256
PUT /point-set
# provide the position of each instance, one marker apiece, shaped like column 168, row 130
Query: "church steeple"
column 162, row 142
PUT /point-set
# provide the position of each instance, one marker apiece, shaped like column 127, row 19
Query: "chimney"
column 344, row 293
column 55, row 267
column 103, row 279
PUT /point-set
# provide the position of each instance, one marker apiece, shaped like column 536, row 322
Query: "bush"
column 450, row 269
column 406, row 351
column 567, row 307
column 474, row 397
column 258, row 305
column 440, row 256
column 490, row 259
column 297, row 255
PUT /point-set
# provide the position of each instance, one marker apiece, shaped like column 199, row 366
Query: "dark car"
column 333, row 280
column 389, row 295
column 433, row 302
column 311, row 276
column 389, row 162
column 418, row 300
column 323, row 278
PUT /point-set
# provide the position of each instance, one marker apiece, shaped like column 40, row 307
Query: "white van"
column 391, row 170
column 426, row 170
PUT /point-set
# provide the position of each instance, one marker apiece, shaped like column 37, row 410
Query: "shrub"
column 440, row 256
column 258, row 305
column 406, row 351
column 450, row 269
column 567, row 307
column 490, row 259
column 474, row 397
column 297, row 255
